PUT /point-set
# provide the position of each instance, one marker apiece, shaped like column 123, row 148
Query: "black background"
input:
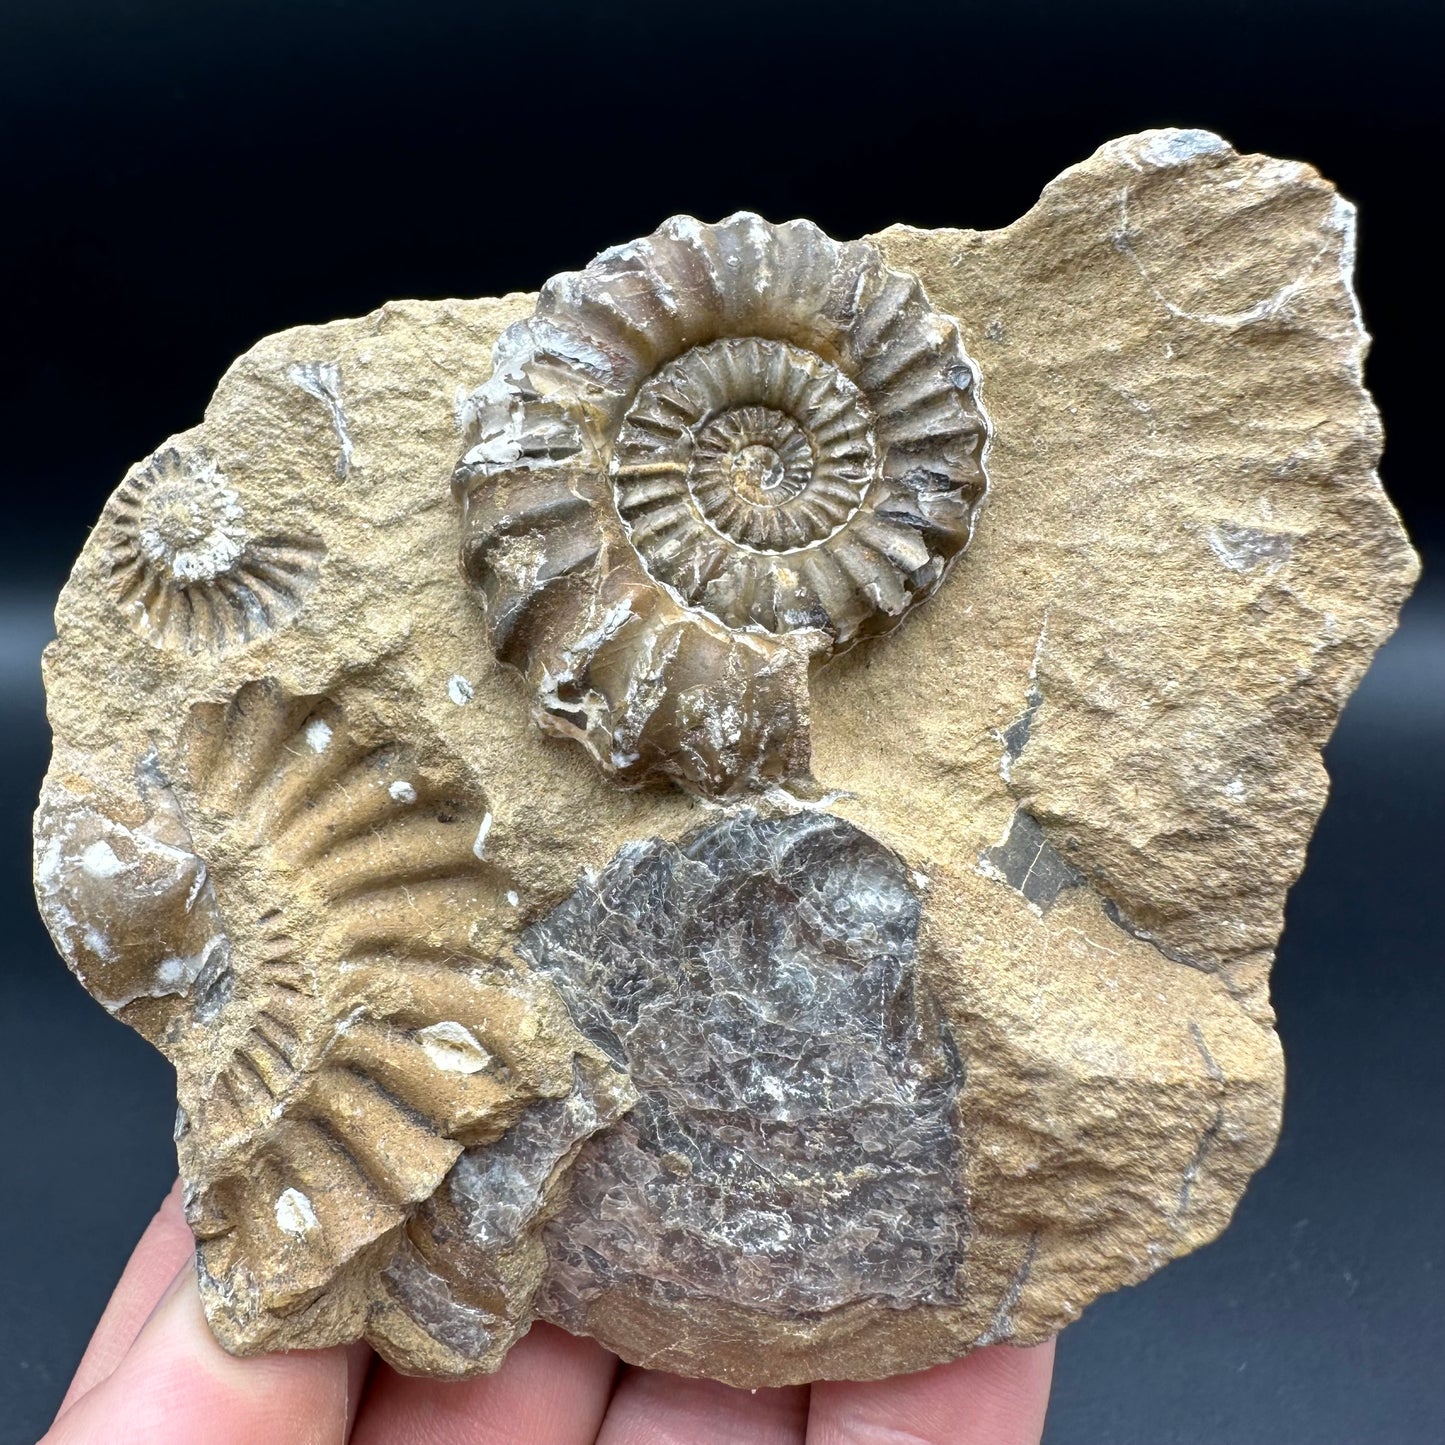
column 181, row 178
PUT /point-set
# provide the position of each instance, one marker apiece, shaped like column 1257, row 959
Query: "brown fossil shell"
column 707, row 463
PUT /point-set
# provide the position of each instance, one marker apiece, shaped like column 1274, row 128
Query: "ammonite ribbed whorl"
column 707, row 463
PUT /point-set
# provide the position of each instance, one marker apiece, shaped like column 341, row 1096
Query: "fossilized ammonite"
column 711, row 460
column 186, row 570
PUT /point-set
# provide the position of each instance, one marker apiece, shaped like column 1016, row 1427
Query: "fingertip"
column 552, row 1389
column 997, row 1395
column 651, row 1407
column 176, row 1385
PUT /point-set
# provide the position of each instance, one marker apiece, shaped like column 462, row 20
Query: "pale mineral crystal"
column 921, row 995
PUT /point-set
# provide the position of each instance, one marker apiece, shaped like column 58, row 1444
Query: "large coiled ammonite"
column 707, row 463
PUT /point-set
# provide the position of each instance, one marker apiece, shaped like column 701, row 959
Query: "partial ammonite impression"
column 290, row 910
column 185, row 568
column 710, row 461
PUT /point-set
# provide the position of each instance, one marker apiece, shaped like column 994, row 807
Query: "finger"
column 176, row 1386
column 995, row 1396
column 651, row 1408
column 164, row 1247
column 552, row 1389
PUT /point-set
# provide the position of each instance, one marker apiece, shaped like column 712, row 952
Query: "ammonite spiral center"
column 191, row 533
column 178, row 523
column 737, row 448
column 758, row 475
column 748, row 456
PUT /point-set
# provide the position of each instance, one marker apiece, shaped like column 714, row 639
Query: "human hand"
column 154, row 1375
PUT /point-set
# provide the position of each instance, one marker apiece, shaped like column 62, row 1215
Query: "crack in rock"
column 1263, row 309
column 322, row 379
column 1211, row 1131
column 1001, row 1326
column 1115, row 915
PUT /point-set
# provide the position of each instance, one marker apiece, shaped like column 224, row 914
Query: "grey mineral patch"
column 499, row 1190
column 796, row 1144
column 322, row 379
column 1029, row 863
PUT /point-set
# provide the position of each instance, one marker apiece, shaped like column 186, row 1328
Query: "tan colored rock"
column 302, row 832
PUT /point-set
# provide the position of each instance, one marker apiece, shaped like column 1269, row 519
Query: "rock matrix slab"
column 798, row 900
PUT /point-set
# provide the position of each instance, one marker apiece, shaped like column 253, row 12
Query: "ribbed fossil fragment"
column 711, row 460
column 291, row 917
column 185, row 569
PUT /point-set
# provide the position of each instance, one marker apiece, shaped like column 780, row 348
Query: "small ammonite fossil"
column 706, row 464
column 184, row 566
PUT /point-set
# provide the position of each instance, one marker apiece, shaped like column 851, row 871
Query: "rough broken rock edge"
column 1097, row 747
